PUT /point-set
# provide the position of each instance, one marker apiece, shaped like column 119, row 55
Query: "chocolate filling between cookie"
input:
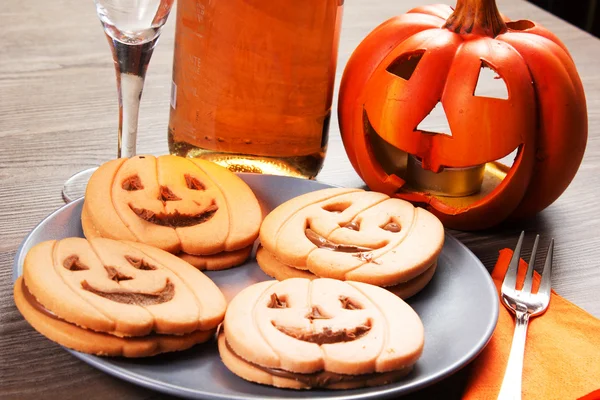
column 314, row 380
column 36, row 304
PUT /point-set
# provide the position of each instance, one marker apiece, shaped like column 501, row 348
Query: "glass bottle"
column 253, row 83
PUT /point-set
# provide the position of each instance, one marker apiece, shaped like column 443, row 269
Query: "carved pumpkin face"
column 126, row 289
column 426, row 61
column 306, row 326
column 170, row 202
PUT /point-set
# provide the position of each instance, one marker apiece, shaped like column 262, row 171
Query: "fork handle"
column 511, row 384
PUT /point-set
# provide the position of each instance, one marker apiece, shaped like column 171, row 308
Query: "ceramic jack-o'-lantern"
column 431, row 63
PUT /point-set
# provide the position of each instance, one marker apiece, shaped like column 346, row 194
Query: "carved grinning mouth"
column 128, row 297
column 470, row 184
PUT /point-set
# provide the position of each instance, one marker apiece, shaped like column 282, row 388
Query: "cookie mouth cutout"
column 164, row 295
column 361, row 251
column 175, row 219
column 326, row 335
column 324, row 243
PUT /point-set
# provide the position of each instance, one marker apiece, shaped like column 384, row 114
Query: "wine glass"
column 132, row 28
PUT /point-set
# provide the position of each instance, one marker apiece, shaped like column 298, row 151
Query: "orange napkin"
column 562, row 351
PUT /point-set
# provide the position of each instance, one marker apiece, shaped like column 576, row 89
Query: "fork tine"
column 529, row 275
column 547, row 272
column 510, row 279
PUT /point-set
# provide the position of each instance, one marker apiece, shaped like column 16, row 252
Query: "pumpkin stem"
column 478, row 17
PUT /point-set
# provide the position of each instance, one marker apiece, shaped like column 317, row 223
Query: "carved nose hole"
column 336, row 207
column 132, row 183
column 115, row 275
column 436, row 122
column 167, row 194
column 193, row 183
column 316, row 313
column 353, row 225
column 391, row 226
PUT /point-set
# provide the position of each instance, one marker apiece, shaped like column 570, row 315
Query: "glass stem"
column 131, row 62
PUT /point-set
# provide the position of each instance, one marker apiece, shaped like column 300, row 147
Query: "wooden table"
column 58, row 115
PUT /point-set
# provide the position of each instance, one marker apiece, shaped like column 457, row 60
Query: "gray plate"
column 459, row 309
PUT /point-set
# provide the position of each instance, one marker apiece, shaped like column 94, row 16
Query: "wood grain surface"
column 58, row 115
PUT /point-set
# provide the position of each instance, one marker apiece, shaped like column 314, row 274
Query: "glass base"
column 75, row 186
column 307, row 166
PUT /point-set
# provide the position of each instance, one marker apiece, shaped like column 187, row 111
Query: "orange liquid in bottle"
column 253, row 83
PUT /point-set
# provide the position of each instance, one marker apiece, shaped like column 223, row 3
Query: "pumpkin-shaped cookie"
column 351, row 234
column 109, row 297
column 192, row 208
column 300, row 333
column 125, row 289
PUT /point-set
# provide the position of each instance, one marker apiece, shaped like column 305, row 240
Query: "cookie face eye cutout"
column 132, row 183
column 139, row 263
column 193, row 183
column 72, row 263
column 490, row 83
column 278, row 302
column 404, row 66
column 349, row 304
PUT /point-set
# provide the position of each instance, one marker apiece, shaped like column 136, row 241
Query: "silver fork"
column 524, row 305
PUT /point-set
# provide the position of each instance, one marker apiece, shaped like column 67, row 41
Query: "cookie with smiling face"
column 327, row 333
column 351, row 234
column 108, row 297
column 192, row 208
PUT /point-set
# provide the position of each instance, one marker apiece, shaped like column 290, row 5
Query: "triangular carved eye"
column 490, row 83
column 404, row 66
